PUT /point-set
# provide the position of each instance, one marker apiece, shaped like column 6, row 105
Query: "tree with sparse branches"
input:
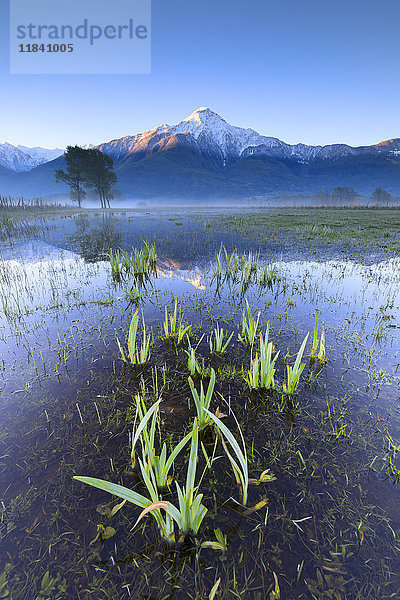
column 99, row 175
column 74, row 160
column 88, row 169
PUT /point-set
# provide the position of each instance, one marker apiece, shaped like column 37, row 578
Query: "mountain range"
column 21, row 158
column 204, row 157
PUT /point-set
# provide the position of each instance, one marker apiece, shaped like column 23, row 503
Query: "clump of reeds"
column 202, row 400
column 190, row 512
column 262, row 367
column 138, row 263
column 174, row 328
column 315, row 353
column 157, row 466
column 219, row 341
column 249, row 326
column 269, row 275
column 138, row 351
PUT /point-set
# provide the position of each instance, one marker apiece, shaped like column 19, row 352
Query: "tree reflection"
column 94, row 243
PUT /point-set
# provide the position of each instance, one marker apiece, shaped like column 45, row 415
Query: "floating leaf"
column 104, row 509
column 116, row 508
column 107, row 533
column 213, row 546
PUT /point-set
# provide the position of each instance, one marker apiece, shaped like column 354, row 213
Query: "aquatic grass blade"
column 240, row 454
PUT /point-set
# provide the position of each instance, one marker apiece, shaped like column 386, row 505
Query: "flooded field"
column 292, row 442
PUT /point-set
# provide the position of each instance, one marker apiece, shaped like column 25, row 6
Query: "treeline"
column 340, row 196
column 88, row 170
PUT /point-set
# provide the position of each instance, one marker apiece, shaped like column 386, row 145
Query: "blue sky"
column 309, row 71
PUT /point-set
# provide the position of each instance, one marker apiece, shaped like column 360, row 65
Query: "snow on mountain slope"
column 21, row 158
column 41, row 155
column 208, row 133
column 13, row 159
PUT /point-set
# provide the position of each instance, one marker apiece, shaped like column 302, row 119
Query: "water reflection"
column 94, row 243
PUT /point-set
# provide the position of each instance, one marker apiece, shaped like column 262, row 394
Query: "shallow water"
column 331, row 522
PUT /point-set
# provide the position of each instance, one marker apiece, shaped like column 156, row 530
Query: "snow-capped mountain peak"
column 205, row 117
column 22, row 158
column 210, row 130
column 41, row 155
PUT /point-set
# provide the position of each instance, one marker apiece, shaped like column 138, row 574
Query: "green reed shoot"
column 249, row 326
column 202, row 401
column 321, row 354
column 193, row 364
column 217, row 341
column 231, row 264
column 262, row 366
column 293, row 373
column 138, row 353
column 314, row 347
column 239, row 466
column 156, row 466
column 116, row 265
column 191, row 512
column 315, row 353
column 173, row 326
column 218, row 265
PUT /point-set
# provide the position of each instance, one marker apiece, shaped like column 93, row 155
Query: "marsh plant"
column 231, row 264
column 269, row 275
column 248, row 266
column 139, row 262
column 219, row 341
column 218, row 263
column 157, row 466
column 194, row 366
column 143, row 261
column 116, row 264
column 315, row 353
column 293, row 373
column 202, row 400
column 239, row 460
column 154, row 469
column 262, row 367
column 174, row 328
column 138, row 351
column 249, row 326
